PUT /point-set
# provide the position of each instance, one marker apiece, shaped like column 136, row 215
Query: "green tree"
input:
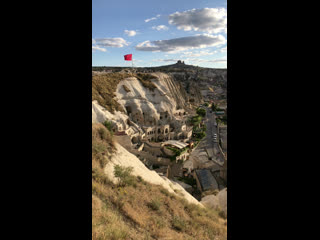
column 214, row 107
column 201, row 112
column 124, row 175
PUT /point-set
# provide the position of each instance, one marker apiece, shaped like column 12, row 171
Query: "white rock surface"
column 100, row 114
column 212, row 201
column 123, row 158
column 148, row 104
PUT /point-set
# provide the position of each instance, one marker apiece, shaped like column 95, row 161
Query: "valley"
column 169, row 125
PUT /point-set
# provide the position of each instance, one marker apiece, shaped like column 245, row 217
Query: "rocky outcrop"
column 123, row 158
column 219, row 201
column 147, row 106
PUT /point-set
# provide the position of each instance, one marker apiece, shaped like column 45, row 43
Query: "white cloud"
column 210, row 20
column 93, row 41
column 165, row 60
column 160, row 27
column 197, row 60
column 182, row 44
column 111, row 42
column 150, row 19
column 153, row 18
column 130, row 33
column 223, row 49
column 198, row 54
column 94, row 48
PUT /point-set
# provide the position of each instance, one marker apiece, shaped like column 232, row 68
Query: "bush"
column 178, row 223
column 196, row 120
column 201, row 112
column 124, row 176
column 214, row 107
column 164, row 191
column 103, row 133
column 154, row 205
column 187, row 180
column 108, row 125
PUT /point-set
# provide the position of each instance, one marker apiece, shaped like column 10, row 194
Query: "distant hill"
column 180, row 65
column 194, row 79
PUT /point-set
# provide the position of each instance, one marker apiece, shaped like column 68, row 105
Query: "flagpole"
column 132, row 65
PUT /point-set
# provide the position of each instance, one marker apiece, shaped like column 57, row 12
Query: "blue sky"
column 159, row 32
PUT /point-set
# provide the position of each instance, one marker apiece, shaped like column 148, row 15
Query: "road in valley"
column 206, row 149
column 211, row 145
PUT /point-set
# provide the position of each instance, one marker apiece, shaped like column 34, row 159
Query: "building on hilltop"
column 180, row 62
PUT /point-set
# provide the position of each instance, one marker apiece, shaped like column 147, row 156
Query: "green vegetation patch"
column 154, row 204
column 177, row 152
column 178, row 223
column 196, row 120
column 190, row 181
column 124, row 176
column 108, row 125
column 201, row 112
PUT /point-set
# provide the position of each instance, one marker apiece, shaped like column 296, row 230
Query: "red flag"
column 128, row 57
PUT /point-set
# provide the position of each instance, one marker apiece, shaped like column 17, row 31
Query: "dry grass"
column 144, row 211
column 126, row 88
column 104, row 87
column 145, row 79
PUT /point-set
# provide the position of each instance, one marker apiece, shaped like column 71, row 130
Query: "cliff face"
column 147, row 106
column 194, row 80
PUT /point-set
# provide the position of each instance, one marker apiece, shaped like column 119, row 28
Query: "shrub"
column 164, row 191
column 178, row 223
column 214, row 107
column 154, row 205
column 124, row 176
column 108, row 125
column 201, row 112
column 99, row 176
column 103, row 133
column 196, row 120
column 98, row 148
column 187, row 180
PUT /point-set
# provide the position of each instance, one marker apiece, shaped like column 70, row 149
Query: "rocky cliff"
column 143, row 104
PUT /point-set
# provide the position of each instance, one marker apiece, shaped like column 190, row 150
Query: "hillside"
column 192, row 78
column 125, row 205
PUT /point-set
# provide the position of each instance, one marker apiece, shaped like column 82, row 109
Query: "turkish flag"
column 128, row 57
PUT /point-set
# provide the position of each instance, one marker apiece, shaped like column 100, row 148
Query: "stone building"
column 205, row 180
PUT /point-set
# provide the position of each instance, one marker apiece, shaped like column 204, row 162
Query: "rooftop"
column 175, row 143
column 206, row 179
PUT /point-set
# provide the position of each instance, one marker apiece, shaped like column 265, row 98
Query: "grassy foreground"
column 139, row 210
